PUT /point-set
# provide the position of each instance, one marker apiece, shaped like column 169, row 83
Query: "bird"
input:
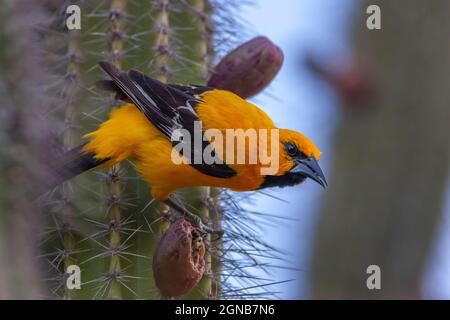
column 142, row 130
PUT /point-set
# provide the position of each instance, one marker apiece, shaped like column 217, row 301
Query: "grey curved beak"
column 311, row 169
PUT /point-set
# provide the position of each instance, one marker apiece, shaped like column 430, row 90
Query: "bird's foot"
column 195, row 220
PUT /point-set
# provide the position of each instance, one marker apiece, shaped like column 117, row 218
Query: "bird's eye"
column 291, row 149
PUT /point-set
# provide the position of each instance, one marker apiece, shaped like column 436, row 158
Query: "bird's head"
column 298, row 160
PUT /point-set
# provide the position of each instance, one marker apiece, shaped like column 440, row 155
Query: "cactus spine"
column 70, row 141
column 114, row 177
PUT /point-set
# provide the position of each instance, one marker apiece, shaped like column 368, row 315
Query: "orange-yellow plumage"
column 128, row 134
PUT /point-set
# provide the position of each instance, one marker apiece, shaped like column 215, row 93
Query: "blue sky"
column 437, row 278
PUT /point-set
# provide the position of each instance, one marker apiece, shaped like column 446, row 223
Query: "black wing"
column 111, row 86
column 192, row 90
column 166, row 106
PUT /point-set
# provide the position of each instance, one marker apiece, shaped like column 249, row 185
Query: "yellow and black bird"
column 141, row 130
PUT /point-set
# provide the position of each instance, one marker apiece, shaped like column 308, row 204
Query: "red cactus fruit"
column 178, row 262
column 352, row 81
column 249, row 68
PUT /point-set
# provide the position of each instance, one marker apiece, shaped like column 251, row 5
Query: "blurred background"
column 379, row 113
column 376, row 102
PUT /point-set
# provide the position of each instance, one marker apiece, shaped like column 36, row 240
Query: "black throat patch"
column 286, row 180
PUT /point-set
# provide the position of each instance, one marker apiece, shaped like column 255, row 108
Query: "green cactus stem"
column 114, row 181
column 70, row 141
column 162, row 44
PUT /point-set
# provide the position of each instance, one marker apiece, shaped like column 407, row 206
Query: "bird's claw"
column 196, row 221
column 207, row 230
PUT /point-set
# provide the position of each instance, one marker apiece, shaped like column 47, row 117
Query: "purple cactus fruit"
column 178, row 262
column 249, row 68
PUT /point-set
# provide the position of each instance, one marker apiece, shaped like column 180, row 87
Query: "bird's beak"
column 310, row 168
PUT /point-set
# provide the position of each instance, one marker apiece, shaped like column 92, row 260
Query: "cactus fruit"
column 249, row 68
column 352, row 80
column 178, row 263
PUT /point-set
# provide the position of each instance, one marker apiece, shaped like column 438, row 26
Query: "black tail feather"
column 71, row 164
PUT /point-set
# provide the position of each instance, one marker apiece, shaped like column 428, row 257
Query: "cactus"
column 161, row 49
column 65, row 91
column 23, row 135
column 177, row 42
column 114, row 176
column 68, row 210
